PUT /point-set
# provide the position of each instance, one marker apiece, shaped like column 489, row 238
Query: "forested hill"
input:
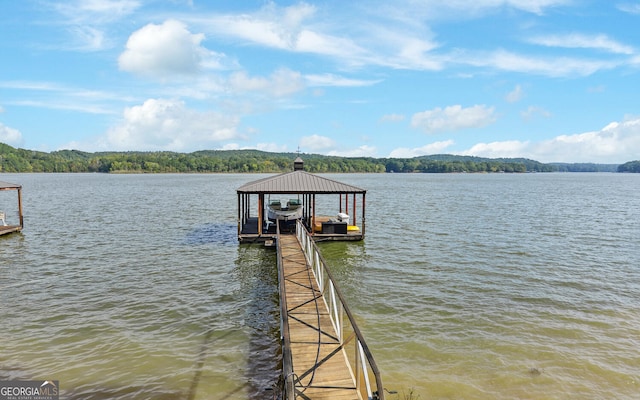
column 631, row 166
column 212, row 161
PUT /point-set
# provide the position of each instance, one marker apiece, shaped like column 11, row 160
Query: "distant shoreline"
column 256, row 161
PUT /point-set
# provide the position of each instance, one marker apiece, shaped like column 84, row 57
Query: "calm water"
column 466, row 287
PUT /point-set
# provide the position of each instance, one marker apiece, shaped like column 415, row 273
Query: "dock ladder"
column 324, row 353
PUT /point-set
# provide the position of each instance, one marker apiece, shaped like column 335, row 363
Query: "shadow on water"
column 256, row 270
column 207, row 344
column 9, row 372
column 213, row 234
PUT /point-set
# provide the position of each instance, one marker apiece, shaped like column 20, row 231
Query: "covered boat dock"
column 302, row 189
column 7, row 221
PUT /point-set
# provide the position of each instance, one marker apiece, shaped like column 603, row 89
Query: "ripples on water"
column 134, row 286
column 466, row 287
column 501, row 286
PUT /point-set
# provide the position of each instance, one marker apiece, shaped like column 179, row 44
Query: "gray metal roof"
column 298, row 182
column 7, row 185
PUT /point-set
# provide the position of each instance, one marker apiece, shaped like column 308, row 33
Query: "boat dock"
column 324, row 353
column 6, row 224
column 257, row 218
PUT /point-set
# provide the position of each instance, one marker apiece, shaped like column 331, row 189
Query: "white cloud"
column 166, row 50
column 336, row 80
column 581, row 41
column 9, row 135
column 515, row 95
column 466, row 9
column 79, row 106
column 506, row 149
column 453, row 118
column 533, row 111
column 87, row 20
column 616, row 143
column 282, row 82
column 547, row 66
column 161, row 124
column 392, row 118
column 349, row 39
column 32, row 85
column 58, row 97
column 317, row 143
column 393, row 37
column 532, row 6
column 88, row 38
column 631, row 8
column 361, row 151
column 271, row 147
column 272, row 26
column 328, row 146
column 96, row 11
column 231, row 146
column 392, row 44
column 432, row 148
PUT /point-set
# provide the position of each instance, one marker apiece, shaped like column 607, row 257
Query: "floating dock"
column 324, row 353
column 6, row 226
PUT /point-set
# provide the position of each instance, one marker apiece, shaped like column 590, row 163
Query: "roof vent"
column 298, row 164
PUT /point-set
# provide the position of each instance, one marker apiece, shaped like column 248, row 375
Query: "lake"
column 467, row 286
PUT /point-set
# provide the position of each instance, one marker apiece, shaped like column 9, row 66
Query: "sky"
column 549, row 80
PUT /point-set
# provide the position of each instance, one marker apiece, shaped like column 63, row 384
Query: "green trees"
column 254, row 161
column 631, row 166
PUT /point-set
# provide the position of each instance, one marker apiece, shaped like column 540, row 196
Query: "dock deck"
column 8, row 227
column 249, row 233
column 321, row 370
column 5, row 230
column 324, row 354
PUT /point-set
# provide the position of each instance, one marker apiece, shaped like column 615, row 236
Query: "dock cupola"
column 298, row 164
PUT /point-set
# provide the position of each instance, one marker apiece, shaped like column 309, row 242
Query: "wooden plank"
column 5, row 230
column 319, row 361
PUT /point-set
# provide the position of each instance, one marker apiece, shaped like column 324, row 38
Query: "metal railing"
column 363, row 367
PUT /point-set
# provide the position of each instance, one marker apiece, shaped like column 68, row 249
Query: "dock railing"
column 363, row 367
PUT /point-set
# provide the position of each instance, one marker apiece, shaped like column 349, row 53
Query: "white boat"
column 290, row 212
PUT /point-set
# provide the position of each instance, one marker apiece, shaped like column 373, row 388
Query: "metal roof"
column 298, row 182
column 7, row 185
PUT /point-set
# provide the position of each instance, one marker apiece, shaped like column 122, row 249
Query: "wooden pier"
column 324, row 354
column 9, row 227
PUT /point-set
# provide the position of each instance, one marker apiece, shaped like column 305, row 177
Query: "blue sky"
column 551, row 80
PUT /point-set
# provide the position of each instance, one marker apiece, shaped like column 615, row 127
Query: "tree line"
column 631, row 166
column 254, row 161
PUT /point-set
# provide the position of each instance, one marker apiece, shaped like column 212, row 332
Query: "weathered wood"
column 319, row 361
column 5, row 230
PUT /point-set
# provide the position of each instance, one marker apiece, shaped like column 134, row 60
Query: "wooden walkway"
column 320, row 367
